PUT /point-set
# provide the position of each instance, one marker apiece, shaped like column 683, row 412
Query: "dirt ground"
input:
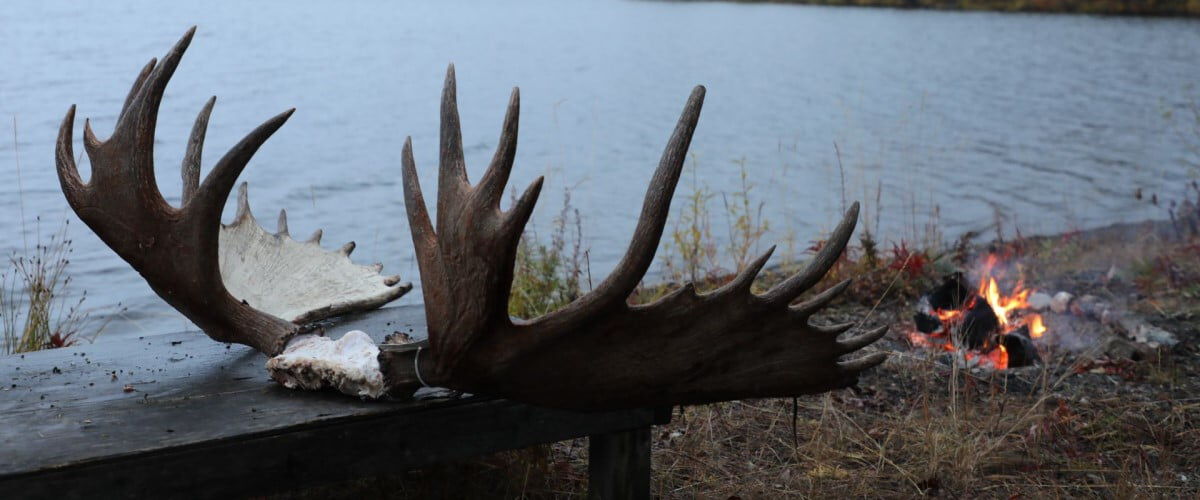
column 1083, row 423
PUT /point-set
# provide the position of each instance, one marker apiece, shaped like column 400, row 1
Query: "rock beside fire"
column 1040, row 301
column 1141, row 331
column 1131, row 326
column 1060, row 302
column 1114, row 347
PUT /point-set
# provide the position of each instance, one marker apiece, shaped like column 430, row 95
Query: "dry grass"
column 944, row 438
column 36, row 311
column 917, row 426
column 548, row 276
column 914, row 428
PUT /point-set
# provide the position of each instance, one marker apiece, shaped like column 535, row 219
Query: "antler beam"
column 599, row 352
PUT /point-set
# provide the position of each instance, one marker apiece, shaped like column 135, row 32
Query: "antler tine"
column 806, row 309
column 91, row 144
column 281, row 228
column 195, row 146
column 860, row 341
column 745, row 278
column 136, row 125
column 243, row 203
column 491, row 187
column 137, row 85
column 655, row 209
column 210, row 197
column 821, row 263
column 423, row 236
column 64, row 159
column 855, row 366
column 452, row 168
column 143, row 106
column 518, row 215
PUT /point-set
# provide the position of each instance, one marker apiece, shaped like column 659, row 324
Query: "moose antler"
column 599, row 352
column 184, row 253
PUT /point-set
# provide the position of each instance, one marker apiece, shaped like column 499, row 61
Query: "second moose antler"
column 599, row 351
column 238, row 283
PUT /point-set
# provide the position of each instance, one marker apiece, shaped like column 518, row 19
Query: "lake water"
column 1047, row 122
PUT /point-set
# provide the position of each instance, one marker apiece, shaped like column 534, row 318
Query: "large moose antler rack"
column 600, row 352
column 238, row 283
column 242, row 284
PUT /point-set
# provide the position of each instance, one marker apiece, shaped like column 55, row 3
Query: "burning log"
column 949, row 296
column 926, row 320
column 1021, row 351
column 979, row 325
column 989, row 328
column 986, row 325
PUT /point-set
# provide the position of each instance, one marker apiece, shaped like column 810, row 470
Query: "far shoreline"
column 1132, row 8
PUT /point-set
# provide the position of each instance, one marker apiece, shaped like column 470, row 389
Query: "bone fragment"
column 349, row 364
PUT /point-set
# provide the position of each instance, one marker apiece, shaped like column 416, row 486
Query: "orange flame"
column 1006, row 309
column 1036, row 327
column 948, row 314
column 1002, row 305
column 922, row 340
column 996, row 358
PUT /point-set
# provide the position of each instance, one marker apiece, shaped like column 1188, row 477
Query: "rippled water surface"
column 1047, row 122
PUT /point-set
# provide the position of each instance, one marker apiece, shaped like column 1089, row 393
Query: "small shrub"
column 746, row 223
column 35, row 312
column 547, row 277
column 691, row 240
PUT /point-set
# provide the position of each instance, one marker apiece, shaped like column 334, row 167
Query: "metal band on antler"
column 599, row 352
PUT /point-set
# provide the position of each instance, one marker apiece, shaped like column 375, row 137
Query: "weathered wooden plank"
column 180, row 415
column 171, row 364
column 619, row 465
column 186, row 389
column 321, row 452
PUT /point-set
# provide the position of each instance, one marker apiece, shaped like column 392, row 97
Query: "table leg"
column 619, row 465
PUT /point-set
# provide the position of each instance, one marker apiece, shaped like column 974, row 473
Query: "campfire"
column 989, row 327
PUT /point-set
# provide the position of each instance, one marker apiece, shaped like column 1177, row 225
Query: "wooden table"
column 181, row 415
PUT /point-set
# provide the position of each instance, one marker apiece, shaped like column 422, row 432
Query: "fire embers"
column 992, row 329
